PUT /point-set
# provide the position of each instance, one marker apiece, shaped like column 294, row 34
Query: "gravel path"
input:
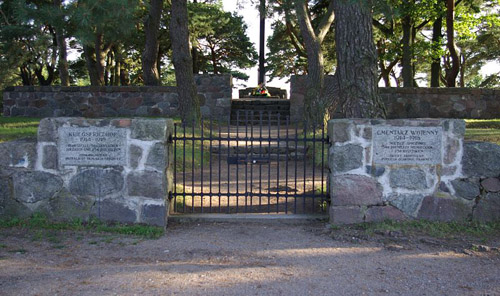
column 235, row 259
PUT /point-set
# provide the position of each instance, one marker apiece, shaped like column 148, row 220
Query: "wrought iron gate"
column 258, row 163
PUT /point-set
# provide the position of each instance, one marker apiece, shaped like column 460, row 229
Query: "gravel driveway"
column 236, row 259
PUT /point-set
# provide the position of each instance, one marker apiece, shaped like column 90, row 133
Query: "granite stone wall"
column 112, row 101
column 418, row 102
column 126, row 183
column 379, row 171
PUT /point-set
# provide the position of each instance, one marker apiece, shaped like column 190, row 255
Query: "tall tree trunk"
column 407, row 71
column 356, row 60
column 118, row 64
column 316, row 104
column 189, row 106
column 158, row 61
column 91, row 65
column 124, row 75
column 262, row 42
column 100, row 56
column 436, row 61
column 150, row 54
column 62, row 64
column 463, row 64
column 26, row 76
column 450, row 31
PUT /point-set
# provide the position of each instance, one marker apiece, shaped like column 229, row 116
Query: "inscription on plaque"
column 97, row 146
column 407, row 145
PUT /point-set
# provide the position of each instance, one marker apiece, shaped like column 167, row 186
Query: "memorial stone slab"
column 407, row 145
column 92, row 146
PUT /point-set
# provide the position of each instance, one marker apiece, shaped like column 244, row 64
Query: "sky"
column 251, row 17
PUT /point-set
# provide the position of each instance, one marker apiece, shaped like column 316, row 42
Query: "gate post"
column 116, row 169
column 396, row 169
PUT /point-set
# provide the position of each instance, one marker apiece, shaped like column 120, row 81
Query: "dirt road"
column 237, row 259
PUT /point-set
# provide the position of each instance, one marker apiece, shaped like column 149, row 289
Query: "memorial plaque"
column 407, row 145
column 96, row 146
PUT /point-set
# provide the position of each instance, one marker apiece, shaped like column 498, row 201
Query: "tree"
column 28, row 42
column 99, row 26
column 357, row 61
column 287, row 54
column 315, row 101
column 189, row 105
column 221, row 40
column 151, row 48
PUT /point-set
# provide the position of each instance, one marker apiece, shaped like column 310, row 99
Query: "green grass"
column 40, row 221
column 483, row 123
column 192, row 152
column 12, row 128
column 435, row 229
column 487, row 130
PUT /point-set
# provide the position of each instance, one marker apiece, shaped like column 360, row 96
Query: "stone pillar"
column 396, row 169
column 113, row 169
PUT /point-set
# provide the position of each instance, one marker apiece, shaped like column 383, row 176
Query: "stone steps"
column 257, row 111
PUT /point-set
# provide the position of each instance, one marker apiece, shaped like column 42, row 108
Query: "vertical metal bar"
column 201, row 166
column 313, row 166
column 296, row 163
column 252, row 155
column 305, row 170
column 219, row 157
column 210, row 162
column 246, row 161
column 261, row 157
column 286, row 163
column 228, row 167
column 322, row 161
column 192, row 167
column 278, row 167
column 175, row 168
column 237, row 158
column 269, row 164
column 184, row 169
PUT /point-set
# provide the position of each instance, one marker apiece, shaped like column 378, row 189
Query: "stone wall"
column 35, row 175
column 418, row 102
column 456, row 180
column 111, row 101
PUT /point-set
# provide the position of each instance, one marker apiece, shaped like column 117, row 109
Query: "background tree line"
column 121, row 42
column 419, row 42
column 114, row 42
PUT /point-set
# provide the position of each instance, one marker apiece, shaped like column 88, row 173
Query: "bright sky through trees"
column 251, row 16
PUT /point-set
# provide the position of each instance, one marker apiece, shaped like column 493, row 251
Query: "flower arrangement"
column 260, row 91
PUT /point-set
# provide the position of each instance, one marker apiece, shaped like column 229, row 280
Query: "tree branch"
column 305, row 21
column 5, row 17
column 382, row 28
column 326, row 22
column 295, row 40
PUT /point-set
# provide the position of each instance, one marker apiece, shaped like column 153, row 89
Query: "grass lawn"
column 12, row 128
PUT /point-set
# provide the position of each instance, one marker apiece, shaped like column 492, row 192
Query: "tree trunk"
column 118, row 64
column 189, row 106
column 407, row 71
column 262, row 43
column 316, row 104
column 150, row 54
column 450, row 31
column 62, row 64
column 356, row 60
column 100, row 56
column 463, row 62
column 26, row 76
column 436, row 61
column 91, row 65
